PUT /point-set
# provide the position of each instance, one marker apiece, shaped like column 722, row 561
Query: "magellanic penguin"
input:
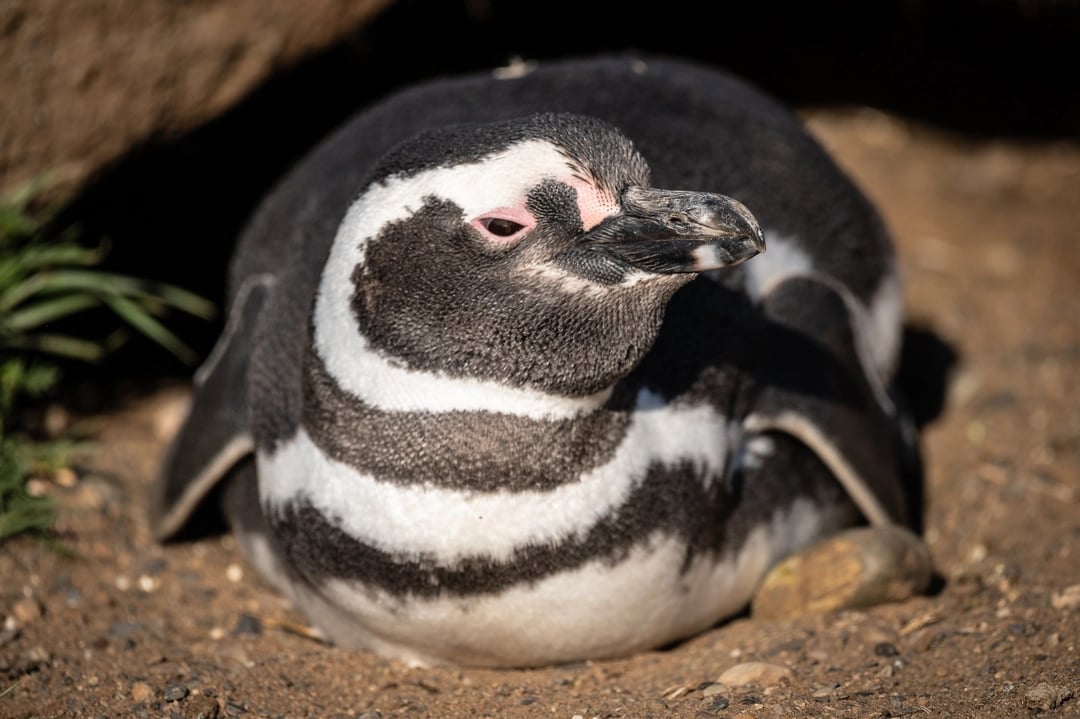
column 505, row 383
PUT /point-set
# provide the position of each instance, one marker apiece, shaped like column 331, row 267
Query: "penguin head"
column 531, row 252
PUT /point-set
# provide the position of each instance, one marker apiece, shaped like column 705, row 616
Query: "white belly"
column 647, row 599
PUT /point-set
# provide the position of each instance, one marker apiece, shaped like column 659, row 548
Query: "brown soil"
column 986, row 231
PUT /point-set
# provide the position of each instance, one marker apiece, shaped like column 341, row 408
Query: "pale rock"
column 759, row 673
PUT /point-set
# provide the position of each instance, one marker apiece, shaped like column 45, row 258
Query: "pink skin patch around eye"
column 594, row 204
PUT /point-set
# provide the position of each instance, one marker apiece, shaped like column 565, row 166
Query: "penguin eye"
column 504, row 226
column 501, row 227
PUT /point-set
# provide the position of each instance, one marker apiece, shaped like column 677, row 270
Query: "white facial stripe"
column 379, row 380
column 497, row 181
column 574, row 284
column 647, row 599
column 449, row 524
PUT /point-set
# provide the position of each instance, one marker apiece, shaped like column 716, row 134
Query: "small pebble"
column 65, row 477
column 234, row 573
column 1068, row 598
column 861, row 567
column 37, row 487
column 26, row 610
column 141, row 692
column 760, row 673
column 886, row 649
column 1045, row 696
column 247, row 624
column 713, row 689
column 174, row 692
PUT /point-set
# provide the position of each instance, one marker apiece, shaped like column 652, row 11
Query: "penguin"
column 509, row 377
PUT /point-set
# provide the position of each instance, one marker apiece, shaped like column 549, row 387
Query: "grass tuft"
column 48, row 278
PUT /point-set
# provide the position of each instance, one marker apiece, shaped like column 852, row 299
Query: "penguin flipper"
column 215, row 435
column 819, row 386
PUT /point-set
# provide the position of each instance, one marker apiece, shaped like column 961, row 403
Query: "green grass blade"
column 58, row 345
column 42, row 255
column 19, row 512
column 46, row 311
column 49, row 456
column 24, row 514
column 141, row 320
column 108, row 284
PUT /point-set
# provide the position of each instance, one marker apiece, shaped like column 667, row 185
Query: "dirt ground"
column 986, row 229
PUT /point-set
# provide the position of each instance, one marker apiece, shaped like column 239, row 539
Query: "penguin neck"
column 476, row 449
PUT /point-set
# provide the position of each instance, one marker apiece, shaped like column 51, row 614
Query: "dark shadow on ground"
column 927, row 363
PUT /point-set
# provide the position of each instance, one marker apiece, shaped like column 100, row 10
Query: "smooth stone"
column 857, row 568
column 759, row 673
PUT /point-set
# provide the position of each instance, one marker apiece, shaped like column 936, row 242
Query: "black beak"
column 673, row 231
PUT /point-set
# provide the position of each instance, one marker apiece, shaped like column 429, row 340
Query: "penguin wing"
column 819, row 386
column 215, row 435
